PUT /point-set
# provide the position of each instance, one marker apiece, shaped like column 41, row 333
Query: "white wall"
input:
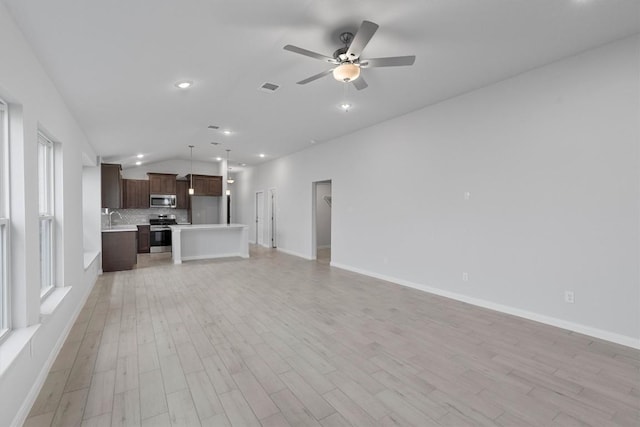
column 90, row 199
column 550, row 159
column 34, row 104
column 323, row 215
column 177, row 166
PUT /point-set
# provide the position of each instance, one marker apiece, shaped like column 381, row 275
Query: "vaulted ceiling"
column 116, row 63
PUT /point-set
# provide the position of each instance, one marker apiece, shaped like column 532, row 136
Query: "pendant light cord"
column 191, row 175
column 228, row 165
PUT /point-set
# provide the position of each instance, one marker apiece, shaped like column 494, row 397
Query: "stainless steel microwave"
column 162, row 201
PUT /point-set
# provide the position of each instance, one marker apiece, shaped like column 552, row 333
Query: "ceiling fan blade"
column 315, row 77
column 391, row 61
column 305, row 52
column 360, row 83
column 365, row 32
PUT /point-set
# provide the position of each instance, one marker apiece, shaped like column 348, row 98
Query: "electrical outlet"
column 467, row 195
column 568, row 297
column 465, row 277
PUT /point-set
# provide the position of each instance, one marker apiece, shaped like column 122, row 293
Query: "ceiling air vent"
column 213, row 127
column 269, row 87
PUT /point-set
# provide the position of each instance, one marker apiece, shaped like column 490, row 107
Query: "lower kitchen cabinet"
column 119, row 250
column 144, row 237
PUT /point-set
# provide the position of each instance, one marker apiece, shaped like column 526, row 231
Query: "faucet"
column 111, row 213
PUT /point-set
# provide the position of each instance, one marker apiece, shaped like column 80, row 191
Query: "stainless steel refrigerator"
column 205, row 210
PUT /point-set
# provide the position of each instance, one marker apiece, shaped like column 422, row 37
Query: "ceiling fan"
column 347, row 59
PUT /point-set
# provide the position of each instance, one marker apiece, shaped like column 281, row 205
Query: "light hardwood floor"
column 276, row 340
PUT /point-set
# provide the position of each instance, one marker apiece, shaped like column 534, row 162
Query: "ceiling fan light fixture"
column 346, row 72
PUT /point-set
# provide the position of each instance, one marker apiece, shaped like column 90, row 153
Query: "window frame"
column 5, row 253
column 46, row 213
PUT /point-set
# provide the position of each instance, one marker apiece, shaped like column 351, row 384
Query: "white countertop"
column 120, row 228
column 205, row 226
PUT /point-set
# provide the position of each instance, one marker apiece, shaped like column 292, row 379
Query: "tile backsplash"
column 141, row 216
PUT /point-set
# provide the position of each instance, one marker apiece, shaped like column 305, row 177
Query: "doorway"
column 260, row 218
column 272, row 218
column 322, row 221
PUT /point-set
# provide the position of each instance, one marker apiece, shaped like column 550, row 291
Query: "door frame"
column 314, row 208
column 272, row 203
column 257, row 242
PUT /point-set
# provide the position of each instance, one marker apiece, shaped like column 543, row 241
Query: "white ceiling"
column 115, row 63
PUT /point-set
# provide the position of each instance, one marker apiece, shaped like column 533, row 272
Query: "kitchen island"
column 205, row 241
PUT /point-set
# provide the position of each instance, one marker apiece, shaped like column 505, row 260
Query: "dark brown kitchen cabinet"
column 119, row 250
column 144, row 239
column 136, row 193
column 206, row 185
column 182, row 194
column 162, row 183
column 111, row 178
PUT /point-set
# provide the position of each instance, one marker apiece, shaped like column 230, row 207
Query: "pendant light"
column 229, row 179
column 191, row 191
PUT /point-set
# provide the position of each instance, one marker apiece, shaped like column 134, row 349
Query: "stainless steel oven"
column 160, row 239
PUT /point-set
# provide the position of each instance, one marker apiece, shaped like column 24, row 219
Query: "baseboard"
column 299, row 255
column 24, row 410
column 547, row 320
column 201, row 257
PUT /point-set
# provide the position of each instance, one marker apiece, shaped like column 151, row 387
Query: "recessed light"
column 184, row 84
column 140, row 156
column 226, row 132
column 243, row 164
column 261, row 155
column 138, row 163
column 345, row 106
column 219, row 159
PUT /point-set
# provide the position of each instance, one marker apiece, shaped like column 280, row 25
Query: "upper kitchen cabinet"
column 206, row 185
column 136, row 193
column 182, row 194
column 162, row 183
column 111, row 176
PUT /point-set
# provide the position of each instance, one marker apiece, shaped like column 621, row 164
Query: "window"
column 4, row 221
column 47, row 214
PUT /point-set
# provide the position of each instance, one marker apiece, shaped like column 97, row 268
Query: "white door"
column 260, row 218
